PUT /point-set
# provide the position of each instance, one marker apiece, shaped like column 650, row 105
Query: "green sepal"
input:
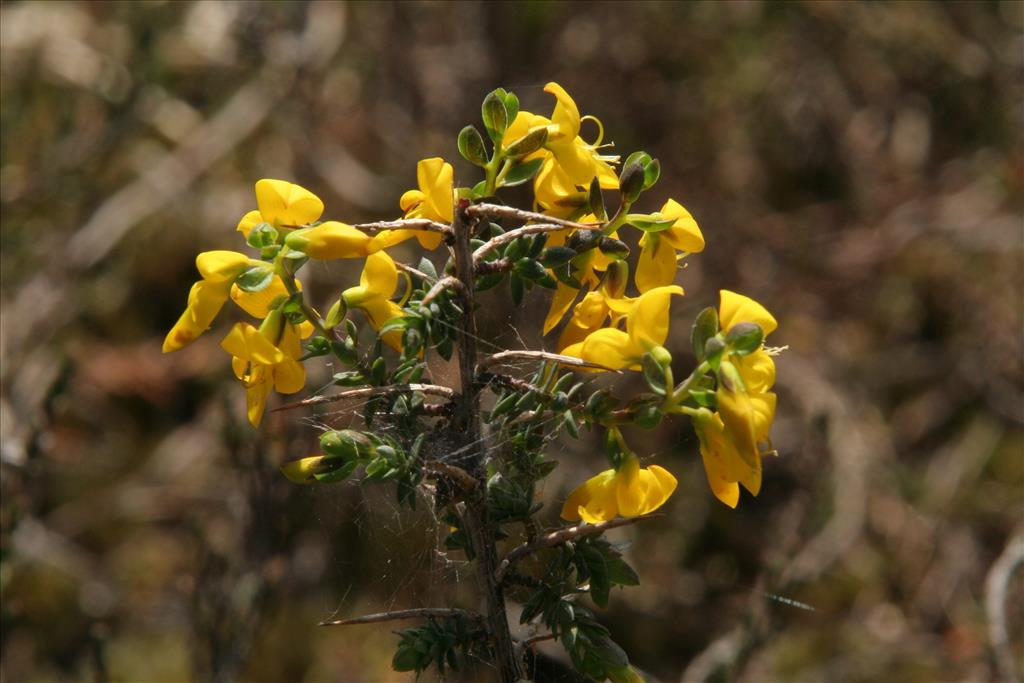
column 339, row 474
column 528, row 144
column 713, row 349
column 256, row 278
column 744, row 338
column 650, row 222
column 262, row 235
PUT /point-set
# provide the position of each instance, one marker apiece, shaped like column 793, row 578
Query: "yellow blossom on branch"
column 659, row 251
column 219, row 270
column 377, row 284
column 283, row 205
column 630, row 491
column 433, row 200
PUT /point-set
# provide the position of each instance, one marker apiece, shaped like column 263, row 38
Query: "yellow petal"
column 289, row 377
column 566, row 116
column 302, row 471
column 757, row 370
column 647, row 323
column 726, row 491
column 248, row 222
column 245, row 341
column 630, row 489
column 657, row 264
column 684, row 233
column 257, row 304
column 560, row 303
column 410, row 199
column 590, row 499
column 736, row 308
column 220, row 266
column 659, row 484
column 737, row 414
column 256, row 400
column 436, row 179
column 285, row 204
column 611, row 348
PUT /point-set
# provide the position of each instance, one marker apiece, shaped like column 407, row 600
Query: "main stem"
column 479, row 527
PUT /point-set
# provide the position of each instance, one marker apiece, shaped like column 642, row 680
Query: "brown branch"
column 561, row 536
column 543, row 355
column 414, row 271
column 513, row 235
column 405, row 224
column 417, row 613
column 366, row 392
column 499, row 211
column 441, row 285
column 460, row 476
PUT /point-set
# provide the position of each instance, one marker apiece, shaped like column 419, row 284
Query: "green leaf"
column 495, row 116
column 471, row 146
column 596, row 201
column 518, row 289
column 651, row 173
column 529, row 269
column 511, row 106
column 256, row 278
column 520, row 173
column 654, row 374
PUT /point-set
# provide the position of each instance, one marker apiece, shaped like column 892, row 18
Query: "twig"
column 441, row 285
column 366, row 392
column 561, row 536
column 460, row 476
column 417, row 613
column 542, row 355
column 499, row 211
column 512, row 235
column 414, row 271
column 996, row 586
column 405, row 224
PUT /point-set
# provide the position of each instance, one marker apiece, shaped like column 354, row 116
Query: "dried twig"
column 499, row 211
column 417, row 613
column 441, row 285
column 562, row 536
column 513, row 235
column 542, row 355
column 996, row 586
column 405, row 224
column 367, row 392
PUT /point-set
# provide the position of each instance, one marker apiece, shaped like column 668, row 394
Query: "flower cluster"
column 602, row 320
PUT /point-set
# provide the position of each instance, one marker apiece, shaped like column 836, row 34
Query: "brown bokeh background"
column 855, row 167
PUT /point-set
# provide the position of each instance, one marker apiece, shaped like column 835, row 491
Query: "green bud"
column 713, row 349
column 616, row 278
column 744, row 338
column 704, row 328
column 336, row 314
column 583, row 240
column 613, row 248
column 631, row 182
column 347, row 444
column 273, row 325
column 556, row 256
column 596, row 201
column 471, row 146
column 256, row 278
column 297, row 239
column 652, row 172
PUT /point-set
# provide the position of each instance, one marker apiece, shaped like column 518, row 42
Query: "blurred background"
column 856, row 167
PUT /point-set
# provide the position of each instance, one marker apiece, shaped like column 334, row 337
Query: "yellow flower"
column 591, row 313
column 377, row 284
column 646, row 329
column 434, row 200
column 658, row 255
column 282, row 204
column 631, row 491
column 332, row 240
column 219, row 270
column 733, row 439
column 262, row 365
column 580, row 160
column 585, row 267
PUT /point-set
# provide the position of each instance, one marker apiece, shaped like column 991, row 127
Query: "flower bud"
column 331, row 240
column 744, row 338
column 347, row 444
column 302, row 471
column 613, row 248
